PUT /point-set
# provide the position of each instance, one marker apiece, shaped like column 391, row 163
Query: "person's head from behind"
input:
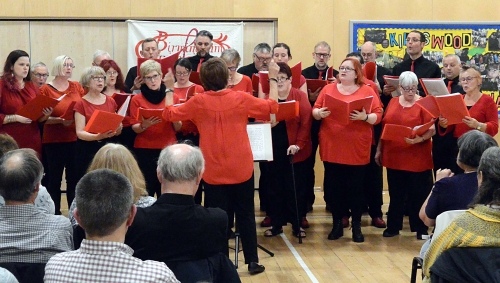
column 21, row 173
column 214, row 74
column 98, row 56
column 488, row 176
column 471, row 146
column 182, row 164
column 105, row 202
column 118, row 158
column 7, row 143
column 203, row 42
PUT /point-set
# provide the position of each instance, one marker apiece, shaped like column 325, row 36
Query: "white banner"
column 173, row 37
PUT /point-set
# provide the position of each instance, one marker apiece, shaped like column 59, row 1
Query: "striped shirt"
column 99, row 261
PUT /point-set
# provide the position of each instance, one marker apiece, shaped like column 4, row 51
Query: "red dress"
column 26, row 135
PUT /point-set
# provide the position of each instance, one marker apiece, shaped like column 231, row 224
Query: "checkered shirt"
column 98, row 261
column 29, row 235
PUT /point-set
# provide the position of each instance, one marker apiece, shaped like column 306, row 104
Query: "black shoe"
column 255, row 268
column 357, row 235
column 390, row 233
column 337, row 230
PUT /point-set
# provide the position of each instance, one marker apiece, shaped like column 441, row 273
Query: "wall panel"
column 14, row 35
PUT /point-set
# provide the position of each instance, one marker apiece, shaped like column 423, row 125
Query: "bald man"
column 369, row 54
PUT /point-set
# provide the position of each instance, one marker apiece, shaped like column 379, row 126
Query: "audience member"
column 105, row 210
column 6, row 276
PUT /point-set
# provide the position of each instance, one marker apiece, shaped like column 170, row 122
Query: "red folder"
column 397, row 133
column 255, row 83
column 189, row 94
column 195, row 78
column 314, row 85
column 451, row 106
column 370, row 70
column 166, row 63
column 148, row 113
column 264, row 81
column 287, row 110
column 120, row 98
column 296, row 73
column 33, row 109
column 102, row 121
column 341, row 110
column 69, row 113
column 329, row 73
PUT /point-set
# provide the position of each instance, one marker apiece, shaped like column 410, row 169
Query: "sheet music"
column 261, row 143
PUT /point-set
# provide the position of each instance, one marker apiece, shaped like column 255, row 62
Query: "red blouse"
column 221, row 118
column 86, row 108
column 400, row 155
column 157, row 136
column 187, row 126
column 53, row 133
column 244, row 85
column 347, row 144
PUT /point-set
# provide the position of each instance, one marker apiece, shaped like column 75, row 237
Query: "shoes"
column 266, row 222
column 300, row 234
column 357, row 235
column 255, row 268
column 378, row 222
column 390, row 233
column 304, row 223
column 422, row 236
column 337, row 230
column 273, row 232
column 345, row 221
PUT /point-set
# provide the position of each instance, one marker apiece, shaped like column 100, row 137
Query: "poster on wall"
column 476, row 44
column 173, row 37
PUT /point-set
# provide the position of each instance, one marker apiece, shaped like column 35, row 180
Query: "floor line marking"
column 299, row 259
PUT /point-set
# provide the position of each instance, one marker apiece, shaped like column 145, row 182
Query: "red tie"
column 320, row 77
column 199, row 64
column 450, row 82
column 412, row 68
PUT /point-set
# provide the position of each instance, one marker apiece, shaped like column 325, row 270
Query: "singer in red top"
column 345, row 149
column 237, row 81
column 59, row 135
column 482, row 109
column 409, row 161
column 221, row 116
column 153, row 133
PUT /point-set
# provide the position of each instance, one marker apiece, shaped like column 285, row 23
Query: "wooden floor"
column 317, row 259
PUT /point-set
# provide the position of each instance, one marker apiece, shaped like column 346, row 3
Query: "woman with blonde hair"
column 118, row 158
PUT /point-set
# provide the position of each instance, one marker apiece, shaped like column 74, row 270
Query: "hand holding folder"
column 341, row 110
column 450, row 106
column 102, row 122
column 287, row 110
column 165, row 63
column 393, row 132
column 34, row 109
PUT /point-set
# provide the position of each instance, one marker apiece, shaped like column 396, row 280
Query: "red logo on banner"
column 218, row 45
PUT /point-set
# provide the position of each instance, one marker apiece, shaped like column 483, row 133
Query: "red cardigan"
column 222, row 117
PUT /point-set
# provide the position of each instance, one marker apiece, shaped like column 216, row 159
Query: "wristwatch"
column 479, row 126
column 169, row 90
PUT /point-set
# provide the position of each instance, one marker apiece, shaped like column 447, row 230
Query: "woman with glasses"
column 482, row 108
column 153, row 133
column 408, row 161
column 59, row 135
column 291, row 139
column 93, row 81
column 345, row 149
column 237, row 81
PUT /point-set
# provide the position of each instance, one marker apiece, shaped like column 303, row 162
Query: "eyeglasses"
column 410, row 89
column 282, row 79
column 68, row 66
column 412, row 39
column 232, row 69
column 98, row 78
column 42, row 76
column 345, row 69
column 262, row 59
column 152, row 78
column 467, row 79
column 322, row 55
column 112, row 74
column 180, row 74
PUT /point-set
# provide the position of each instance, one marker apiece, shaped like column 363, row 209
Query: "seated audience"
column 478, row 226
column 43, row 200
column 28, row 235
column 105, row 201
column 118, row 158
column 6, row 276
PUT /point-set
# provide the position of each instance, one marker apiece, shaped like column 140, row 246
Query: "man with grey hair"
column 261, row 58
column 175, row 229
column 39, row 73
column 105, row 201
column 100, row 55
column 27, row 234
column 369, row 54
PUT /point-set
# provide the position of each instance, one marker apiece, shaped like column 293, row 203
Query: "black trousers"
column 264, row 184
column 415, row 185
column 241, row 196
column 286, row 199
column 373, row 186
column 344, row 188
column 148, row 162
column 59, row 156
column 309, row 176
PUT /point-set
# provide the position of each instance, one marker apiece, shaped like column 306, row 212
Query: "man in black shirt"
column 261, row 58
column 149, row 49
column 203, row 44
column 423, row 68
column 369, row 54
